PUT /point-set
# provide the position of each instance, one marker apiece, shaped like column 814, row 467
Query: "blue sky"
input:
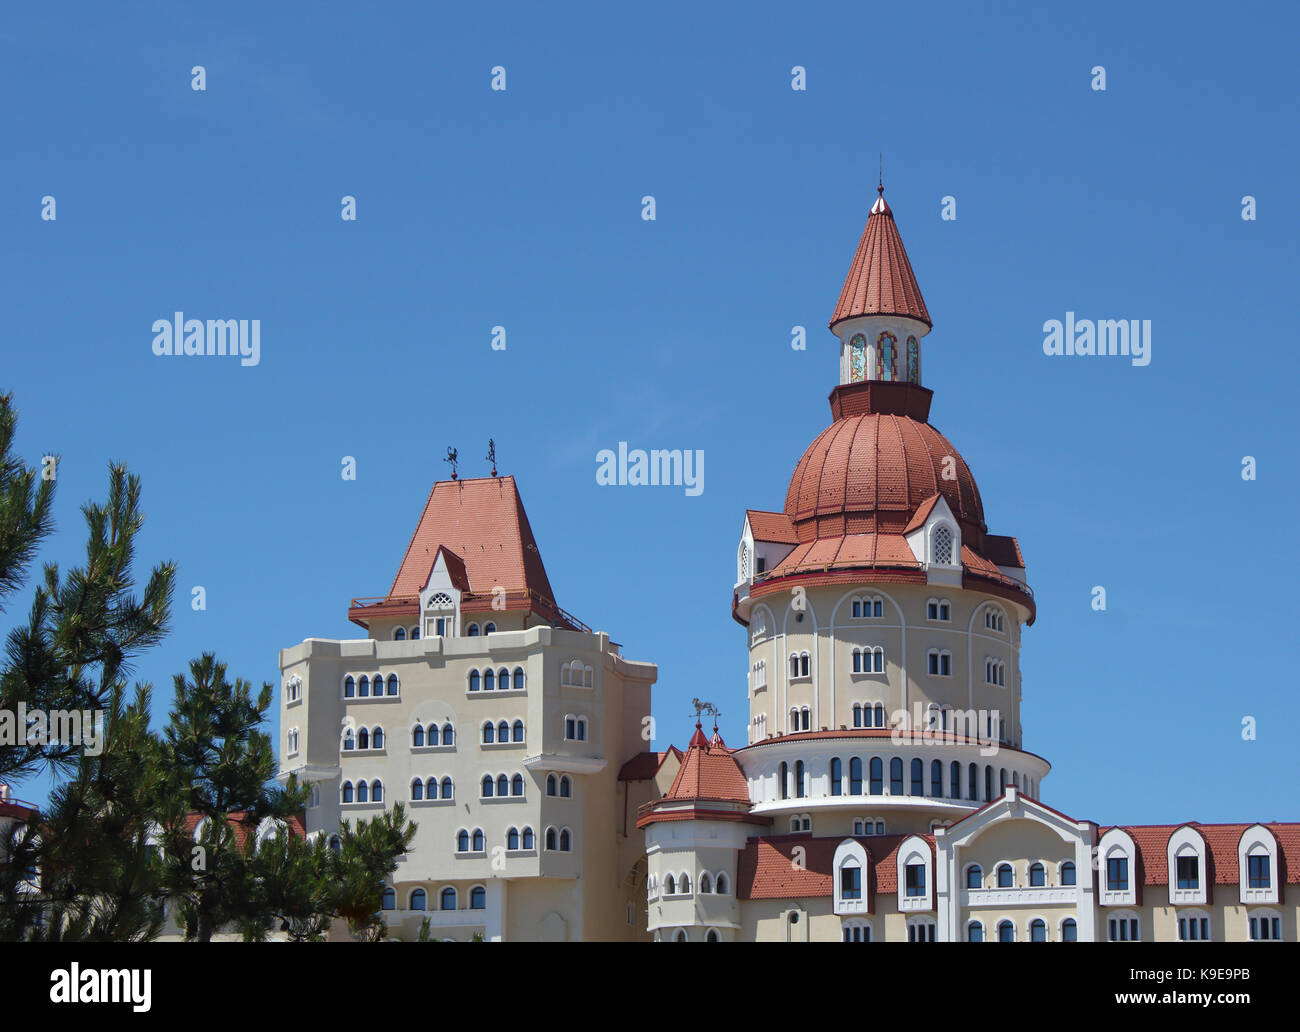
column 522, row 209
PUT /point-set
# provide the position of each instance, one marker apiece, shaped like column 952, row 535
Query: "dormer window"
column 1189, row 872
column 941, row 541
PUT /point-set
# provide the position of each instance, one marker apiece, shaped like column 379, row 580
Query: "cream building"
column 500, row 721
column 885, row 792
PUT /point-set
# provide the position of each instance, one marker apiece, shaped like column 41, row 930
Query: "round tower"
column 883, row 618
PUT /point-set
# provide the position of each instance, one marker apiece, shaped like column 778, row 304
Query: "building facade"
column 885, row 792
column 497, row 719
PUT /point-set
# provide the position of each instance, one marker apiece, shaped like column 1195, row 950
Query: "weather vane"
column 702, row 707
column 492, row 455
column 451, row 458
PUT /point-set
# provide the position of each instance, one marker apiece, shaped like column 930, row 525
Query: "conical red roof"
column 880, row 280
column 709, row 771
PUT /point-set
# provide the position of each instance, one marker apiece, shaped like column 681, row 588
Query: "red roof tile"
column 243, row 827
column 1152, row 841
column 771, row 526
column 766, row 869
column 1004, row 550
column 880, row 280
column 709, row 772
column 483, row 522
column 644, row 766
column 871, row 472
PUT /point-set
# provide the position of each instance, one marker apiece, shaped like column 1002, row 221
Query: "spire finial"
column 451, row 460
column 880, row 181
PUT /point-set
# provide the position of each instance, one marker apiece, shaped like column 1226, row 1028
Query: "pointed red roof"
column 880, row 280
column 709, row 771
column 483, row 524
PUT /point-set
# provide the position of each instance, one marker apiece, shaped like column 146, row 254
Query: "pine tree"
column 81, row 870
column 219, row 767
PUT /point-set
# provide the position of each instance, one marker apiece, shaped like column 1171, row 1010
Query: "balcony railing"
column 540, row 602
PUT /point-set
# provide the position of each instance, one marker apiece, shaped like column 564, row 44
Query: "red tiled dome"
column 869, row 473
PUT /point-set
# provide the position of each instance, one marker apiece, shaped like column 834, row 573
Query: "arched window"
column 782, row 780
column 349, row 687
column 877, row 771
column 431, row 789
column 399, row 634
column 417, row 790
column 478, row 898
column 512, row 838
column 880, row 715
column 723, row 886
column 529, row 842
column 913, row 361
column 684, row 886
column 936, row 778
column 550, row 784
column 475, row 681
column 489, row 681
column 485, row 786
column 1038, row 930
column 419, row 900
column 389, row 900
column 794, row 664
column 896, row 776
column 1006, row 876
column 886, row 342
column 679, row 935
column 975, row 932
column 472, row 631
column 566, row 786
column 941, row 546
column 363, row 792
column 517, row 785
column 414, row 633
column 503, row 785
column 477, row 840
column 363, row 687
column 803, row 671
column 433, row 734
column 670, row 886
column 550, row 841
column 988, row 783
column 1006, row 931
column 1069, row 930
column 519, row 679
column 973, row 785
column 392, row 684
column 798, row 779
column 706, row 883
column 857, row 358
column 377, row 739
column 448, row 899
column 711, row 937
column 417, row 736
column 566, row 840
column 954, row 779
column 489, row 628
column 489, row 732
column 347, row 792
column 448, row 735
column 503, row 731
column 837, row 776
column 349, row 739
column 517, row 731
column 377, row 791
column 363, row 739
column 462, row 846
column 918, row 777
column 974, row 877
column 446, row 788
column 1037, row 875
column 1067, row 874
